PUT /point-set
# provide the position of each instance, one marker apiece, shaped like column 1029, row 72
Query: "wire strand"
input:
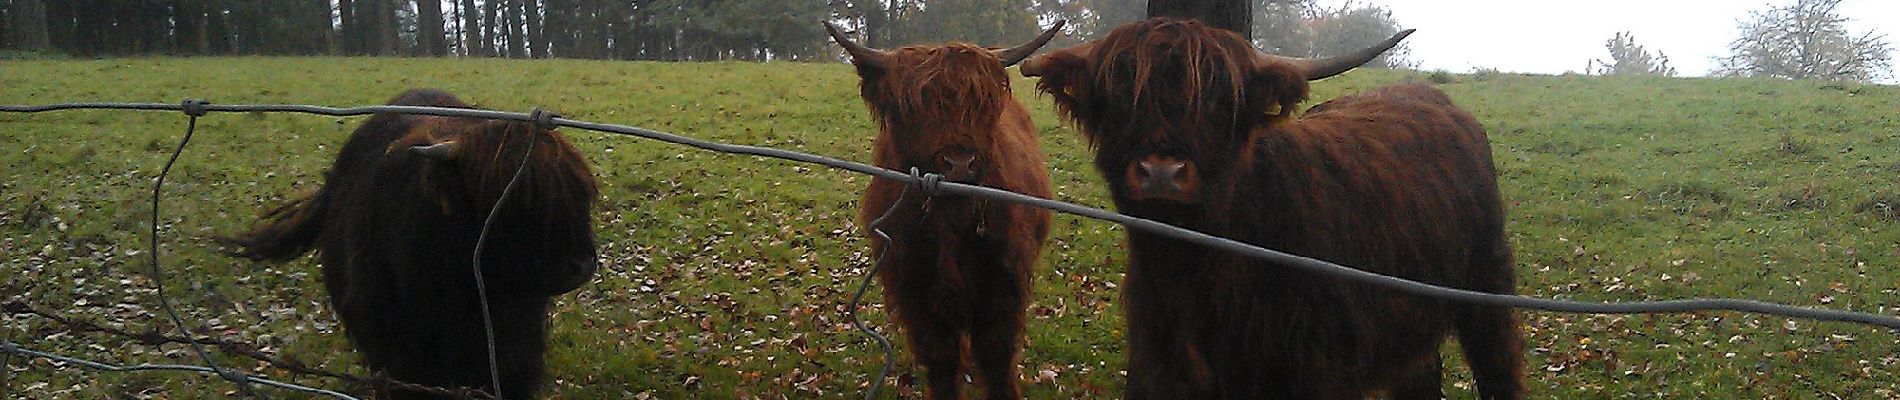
column 158, row 273
column 877, row 233
column 9, row 347
column 481, row 286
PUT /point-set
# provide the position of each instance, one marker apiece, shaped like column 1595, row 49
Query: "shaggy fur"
column 1397, row 180
column 958, row 278
column 396, row 232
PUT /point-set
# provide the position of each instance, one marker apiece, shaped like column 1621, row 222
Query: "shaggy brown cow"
column 958, row 278
column 396, row 223
column 1191, row 127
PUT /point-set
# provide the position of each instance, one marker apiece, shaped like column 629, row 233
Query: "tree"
column 1629, row 58
column 1806, row 40
column 1284, row 26
column 429, row 36
column 25, row 26
column 1352, row 27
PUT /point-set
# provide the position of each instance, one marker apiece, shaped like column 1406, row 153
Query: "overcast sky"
column 1551, row 37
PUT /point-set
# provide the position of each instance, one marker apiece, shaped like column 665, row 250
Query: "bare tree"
column 1806, row 40
column 1629, row 58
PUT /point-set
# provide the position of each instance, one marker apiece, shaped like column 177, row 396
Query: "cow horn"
column 1013, row 55
column 444, row 151
column 1039, row 66
column 1321, row 68
column 860, row 55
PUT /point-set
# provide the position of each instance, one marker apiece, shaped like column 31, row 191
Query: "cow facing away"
column 1191, row 126
column 958, row 278
column 395, row 225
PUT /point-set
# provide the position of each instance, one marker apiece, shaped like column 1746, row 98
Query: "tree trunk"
column 472, row 44
column 27, row 27
column 517, row 45
column 351, row 32
column 489, row 27
column 557, row 27
column 429, row 37
column 217, row 29
column 1233, row 15
column 321, row 16
column 388, row 43
column 537, row 38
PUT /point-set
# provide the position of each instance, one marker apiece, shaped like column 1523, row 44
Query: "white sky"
column 1551, row 37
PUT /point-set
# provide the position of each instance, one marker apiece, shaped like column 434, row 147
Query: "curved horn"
column 860, row 55
column 1013, row 55
column 1321, row 68
column 444, row 151
column 1040, row 65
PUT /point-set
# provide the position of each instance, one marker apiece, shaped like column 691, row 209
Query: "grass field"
column 725, row 276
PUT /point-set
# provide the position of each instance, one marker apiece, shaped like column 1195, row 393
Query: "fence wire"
column 933, row 185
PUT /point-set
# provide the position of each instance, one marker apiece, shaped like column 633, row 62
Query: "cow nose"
column 960, row 164
column 1162, row 177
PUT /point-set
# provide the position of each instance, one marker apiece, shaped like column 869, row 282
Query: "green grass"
column 726, row 275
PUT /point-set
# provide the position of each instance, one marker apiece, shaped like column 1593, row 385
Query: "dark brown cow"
column 1191, row 127
column 396, row 223
column 959, row 267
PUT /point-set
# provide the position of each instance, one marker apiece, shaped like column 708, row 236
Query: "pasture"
column 725, row 276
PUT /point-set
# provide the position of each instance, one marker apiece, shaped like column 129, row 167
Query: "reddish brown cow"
column 1191, row 126
column 396, row 223
column 959, row 267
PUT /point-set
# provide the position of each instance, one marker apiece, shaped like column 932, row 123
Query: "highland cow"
column 958, row 279
column 395, row 226
column 1193, row 126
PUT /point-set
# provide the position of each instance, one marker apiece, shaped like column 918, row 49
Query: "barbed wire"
column 936, row 186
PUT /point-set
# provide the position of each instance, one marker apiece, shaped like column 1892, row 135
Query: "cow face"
column 937, row 105
column 1173, row 106
column 543, row 235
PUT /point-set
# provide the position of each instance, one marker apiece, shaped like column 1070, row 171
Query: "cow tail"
column 287, row 232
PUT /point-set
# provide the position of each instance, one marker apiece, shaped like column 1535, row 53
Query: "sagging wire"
column 851, row 311
column 194, row 108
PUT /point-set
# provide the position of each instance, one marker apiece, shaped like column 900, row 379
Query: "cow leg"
column 1425, row 383
column 996, row 340
column 1491, row 345
column 938, row 346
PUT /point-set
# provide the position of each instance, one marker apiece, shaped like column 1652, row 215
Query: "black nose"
column 1157, row 177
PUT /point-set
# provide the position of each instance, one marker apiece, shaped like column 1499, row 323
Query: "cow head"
column 1172, row 106
column 937, row 105
column 542, row 241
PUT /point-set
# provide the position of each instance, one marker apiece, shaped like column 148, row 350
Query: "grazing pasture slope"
column 723, row 276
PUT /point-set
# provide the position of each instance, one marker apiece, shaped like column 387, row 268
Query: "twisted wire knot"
column 930, row 183
column 543, row 119
column 195, row 107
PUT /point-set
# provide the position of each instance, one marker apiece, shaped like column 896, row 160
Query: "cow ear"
column 1275, row 90
column 1064, row 76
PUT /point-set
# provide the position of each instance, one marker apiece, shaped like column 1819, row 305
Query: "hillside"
column 726, row 275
